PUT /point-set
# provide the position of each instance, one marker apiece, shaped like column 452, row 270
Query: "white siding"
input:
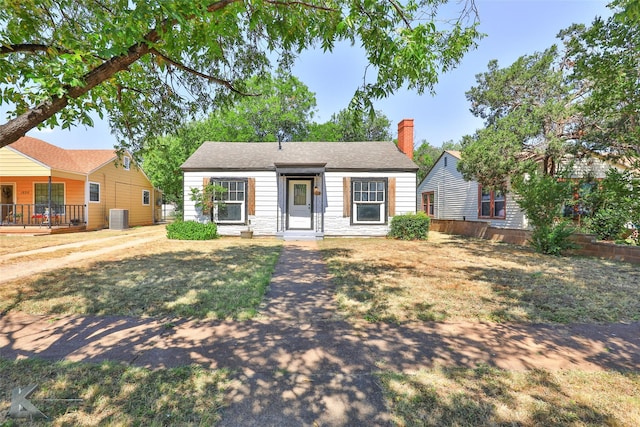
column 457, row 199
column 266, row 196
column 265, row 220
column 454, row 197
column 336, row 224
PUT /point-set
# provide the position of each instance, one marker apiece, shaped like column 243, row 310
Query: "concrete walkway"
column 299, row 364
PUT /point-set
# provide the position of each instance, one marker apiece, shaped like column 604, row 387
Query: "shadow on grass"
column 366, row 288
column 481, row 280
column 549, row 297
column 225, row 283
column 115, row 394
column 488, row 396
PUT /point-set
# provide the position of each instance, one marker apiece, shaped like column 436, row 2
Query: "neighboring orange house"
column 78, row 187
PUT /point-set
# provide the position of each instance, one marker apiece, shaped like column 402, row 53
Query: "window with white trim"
column 146, row 197
column 126, row 163
column 94, row 192
column 369, row 201
column 230, row 206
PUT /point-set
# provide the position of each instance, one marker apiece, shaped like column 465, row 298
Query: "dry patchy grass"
column 216, row 279
column 487, row 396
column 12, row 243
column 459, row 279
column 80, row 394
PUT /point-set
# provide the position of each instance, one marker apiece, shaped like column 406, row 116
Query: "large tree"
column 352, row 125
column 282, row 112
column 148, row 65
column 530, row 117
column 606, row 56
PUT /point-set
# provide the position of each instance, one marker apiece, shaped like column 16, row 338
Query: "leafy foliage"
column 352, row 125
column 282, row 111
column 612, row 205
column 192, row 230
column 410, row 226
column 149, row 66
column 553, row 239
column 530, row 119
column 542, row 198
column 606, row 56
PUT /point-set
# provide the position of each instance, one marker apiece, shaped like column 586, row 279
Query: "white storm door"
column 299, row 204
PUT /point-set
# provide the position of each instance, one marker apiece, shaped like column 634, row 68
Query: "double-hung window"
column 94, row 192
column 146, row 197
column 230, row 201
column 492, row 204
column 428, row 203
column 369, row 198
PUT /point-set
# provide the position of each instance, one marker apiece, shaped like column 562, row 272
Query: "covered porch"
column 301, row 201
column 41, row 218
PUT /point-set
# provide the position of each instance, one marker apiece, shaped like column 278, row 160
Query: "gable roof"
column 362, row 156
column 81, row 161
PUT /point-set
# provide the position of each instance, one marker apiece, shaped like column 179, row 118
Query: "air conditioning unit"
column 118, row 219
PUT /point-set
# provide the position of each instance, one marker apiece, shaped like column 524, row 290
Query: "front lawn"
column 220, row 279
column 451, row 278
column 486, row 396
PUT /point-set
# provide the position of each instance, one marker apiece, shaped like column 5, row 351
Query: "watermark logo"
column 21, row 407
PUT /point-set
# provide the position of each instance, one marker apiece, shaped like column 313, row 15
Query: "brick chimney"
column 405, row 137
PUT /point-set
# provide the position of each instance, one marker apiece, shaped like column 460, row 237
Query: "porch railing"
column 41, row 215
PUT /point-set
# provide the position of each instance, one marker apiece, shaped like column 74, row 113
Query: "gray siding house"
column 305, row 189
column 445, row 194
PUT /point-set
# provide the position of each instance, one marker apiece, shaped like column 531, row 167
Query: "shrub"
column 542, row 198
column 553, row 239
column 410, row 226
column 607, row 223
column 192, row 230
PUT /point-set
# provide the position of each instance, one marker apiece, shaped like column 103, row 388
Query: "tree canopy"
column 530, row 118
column 149, row 65
column 352, row 125
column 606, row 57
column 282, row 112
column 583, row 100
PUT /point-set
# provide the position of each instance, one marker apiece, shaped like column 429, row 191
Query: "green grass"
column 80, row 394
column 491, row 397
column 449, row 278
column 224, row 279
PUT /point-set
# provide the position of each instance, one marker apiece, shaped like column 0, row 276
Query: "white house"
column 305, row 189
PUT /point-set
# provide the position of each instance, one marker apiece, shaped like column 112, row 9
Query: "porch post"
column 49, row 202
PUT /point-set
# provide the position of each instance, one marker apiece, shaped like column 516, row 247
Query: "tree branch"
column 14, row 129
column 398, row 9
column 301, row 3
column 27, row 47
column 217, row 80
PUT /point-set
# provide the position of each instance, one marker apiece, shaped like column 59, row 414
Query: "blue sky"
column 513, row 28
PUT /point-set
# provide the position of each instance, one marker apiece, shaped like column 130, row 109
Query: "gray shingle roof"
column 265, row 155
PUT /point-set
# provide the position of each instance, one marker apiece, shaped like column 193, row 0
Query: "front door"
column 299, row 205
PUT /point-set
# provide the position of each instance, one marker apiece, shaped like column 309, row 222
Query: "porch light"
column 316, row 190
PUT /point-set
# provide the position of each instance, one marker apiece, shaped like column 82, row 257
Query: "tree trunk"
column 16, row 128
